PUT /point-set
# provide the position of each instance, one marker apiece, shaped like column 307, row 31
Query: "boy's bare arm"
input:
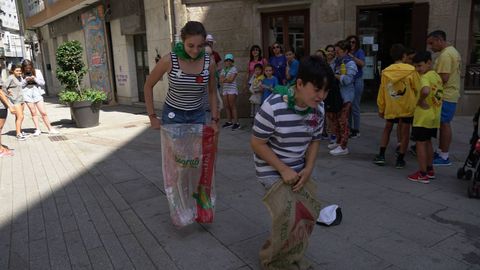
column 261, row 148
column 306, row 173
column 423, row 95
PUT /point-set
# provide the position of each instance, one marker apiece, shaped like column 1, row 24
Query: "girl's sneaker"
column 21, row 137
column 418, row 177
column 431, row 174
column 379, row 160
column 339, row 151
column 235, row 126
column 332, row 145
column 227, row 124
column 37, row 132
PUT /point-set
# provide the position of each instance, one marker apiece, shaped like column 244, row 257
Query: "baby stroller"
column 471, row 167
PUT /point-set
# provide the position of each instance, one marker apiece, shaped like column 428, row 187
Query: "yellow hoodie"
column 397, row 96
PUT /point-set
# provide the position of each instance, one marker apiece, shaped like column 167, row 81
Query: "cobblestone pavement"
column 93, row 199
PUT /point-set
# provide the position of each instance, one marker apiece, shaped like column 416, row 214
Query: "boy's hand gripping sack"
column 293, row 219
column 188, row 162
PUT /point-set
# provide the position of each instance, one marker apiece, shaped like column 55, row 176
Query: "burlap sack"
column 293, row 219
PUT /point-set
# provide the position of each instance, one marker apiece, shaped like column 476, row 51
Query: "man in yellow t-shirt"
column 426, row 118
column 447, row 65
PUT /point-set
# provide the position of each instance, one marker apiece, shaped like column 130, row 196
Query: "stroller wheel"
column 460, row 173
column 468, row 174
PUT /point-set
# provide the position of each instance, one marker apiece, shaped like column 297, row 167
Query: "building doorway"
column 288, row 28
column 379, row 27
column 141, row 63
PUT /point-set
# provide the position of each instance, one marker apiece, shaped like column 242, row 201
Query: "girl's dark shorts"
column 3, row 113
column 421, row 134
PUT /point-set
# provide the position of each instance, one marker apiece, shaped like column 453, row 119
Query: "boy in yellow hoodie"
column 396, row 100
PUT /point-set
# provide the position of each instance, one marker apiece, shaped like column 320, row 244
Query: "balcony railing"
column 472, row 78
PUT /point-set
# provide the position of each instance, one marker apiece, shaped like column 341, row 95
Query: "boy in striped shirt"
column 286, row 135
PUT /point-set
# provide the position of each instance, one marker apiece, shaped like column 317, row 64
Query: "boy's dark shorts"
column 3, row 113
column 421, row 134
column 408, row 120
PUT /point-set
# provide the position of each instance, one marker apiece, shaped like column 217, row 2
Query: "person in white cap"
column 210, row 41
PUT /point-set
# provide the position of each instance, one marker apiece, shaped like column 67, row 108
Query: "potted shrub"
column 84, row 102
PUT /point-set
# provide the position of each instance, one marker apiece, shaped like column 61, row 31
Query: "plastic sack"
column 293, row 219
column 188, row 162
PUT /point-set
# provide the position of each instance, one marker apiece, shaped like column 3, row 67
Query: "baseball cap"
column 209, row 38
column 229, row 56
column 330, row 215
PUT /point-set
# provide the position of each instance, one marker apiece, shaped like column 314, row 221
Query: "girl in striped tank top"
column 190, row 73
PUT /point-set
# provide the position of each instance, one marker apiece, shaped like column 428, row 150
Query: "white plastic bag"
column 188, row 159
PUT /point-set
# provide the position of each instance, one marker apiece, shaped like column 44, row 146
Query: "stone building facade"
column 136, row 31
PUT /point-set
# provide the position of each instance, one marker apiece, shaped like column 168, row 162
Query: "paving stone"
column 229, row 221
column 116, row 221
column 327, row 256
column 116, row 252
column 249, row 249
column 35, row 223
column 58, row 253
column 99, row 258
column 203, row 249
column 156, row 253
column 462, row 248
column 117, row 171
column 137, row 190
column 76, row 251
column 135, row 252
column 157, row 205
column 407, row 255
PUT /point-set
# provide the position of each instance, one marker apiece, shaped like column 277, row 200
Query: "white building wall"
column 125, row 70
column 159, row 36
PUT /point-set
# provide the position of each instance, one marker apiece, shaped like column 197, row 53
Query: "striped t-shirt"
column 287, row 132
column 229, row 72
column 185, row 91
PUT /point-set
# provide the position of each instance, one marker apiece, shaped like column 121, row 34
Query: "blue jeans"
column 354, row 119
column 171, row 115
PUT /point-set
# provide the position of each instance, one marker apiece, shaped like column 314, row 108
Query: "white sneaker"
column 37, row 132
column 53, row 131
column 339, row 151
column 332, row 145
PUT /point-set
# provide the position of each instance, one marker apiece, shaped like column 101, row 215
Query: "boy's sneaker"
column 431, row 174
column 227, row 124
column 339, row 151
column 379, row 160
column 37, row 132
column 235, row 126
column 435, row 155
column 413, row 150
column 400, row 164
column 332, row 145
column 354, row 134
column 21, row 137
column 418, row 177
column 441, row 162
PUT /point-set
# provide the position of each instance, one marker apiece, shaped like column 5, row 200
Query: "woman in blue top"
column 358, row 56
column 345, row 71
column 279, row 63
column 190, row 73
